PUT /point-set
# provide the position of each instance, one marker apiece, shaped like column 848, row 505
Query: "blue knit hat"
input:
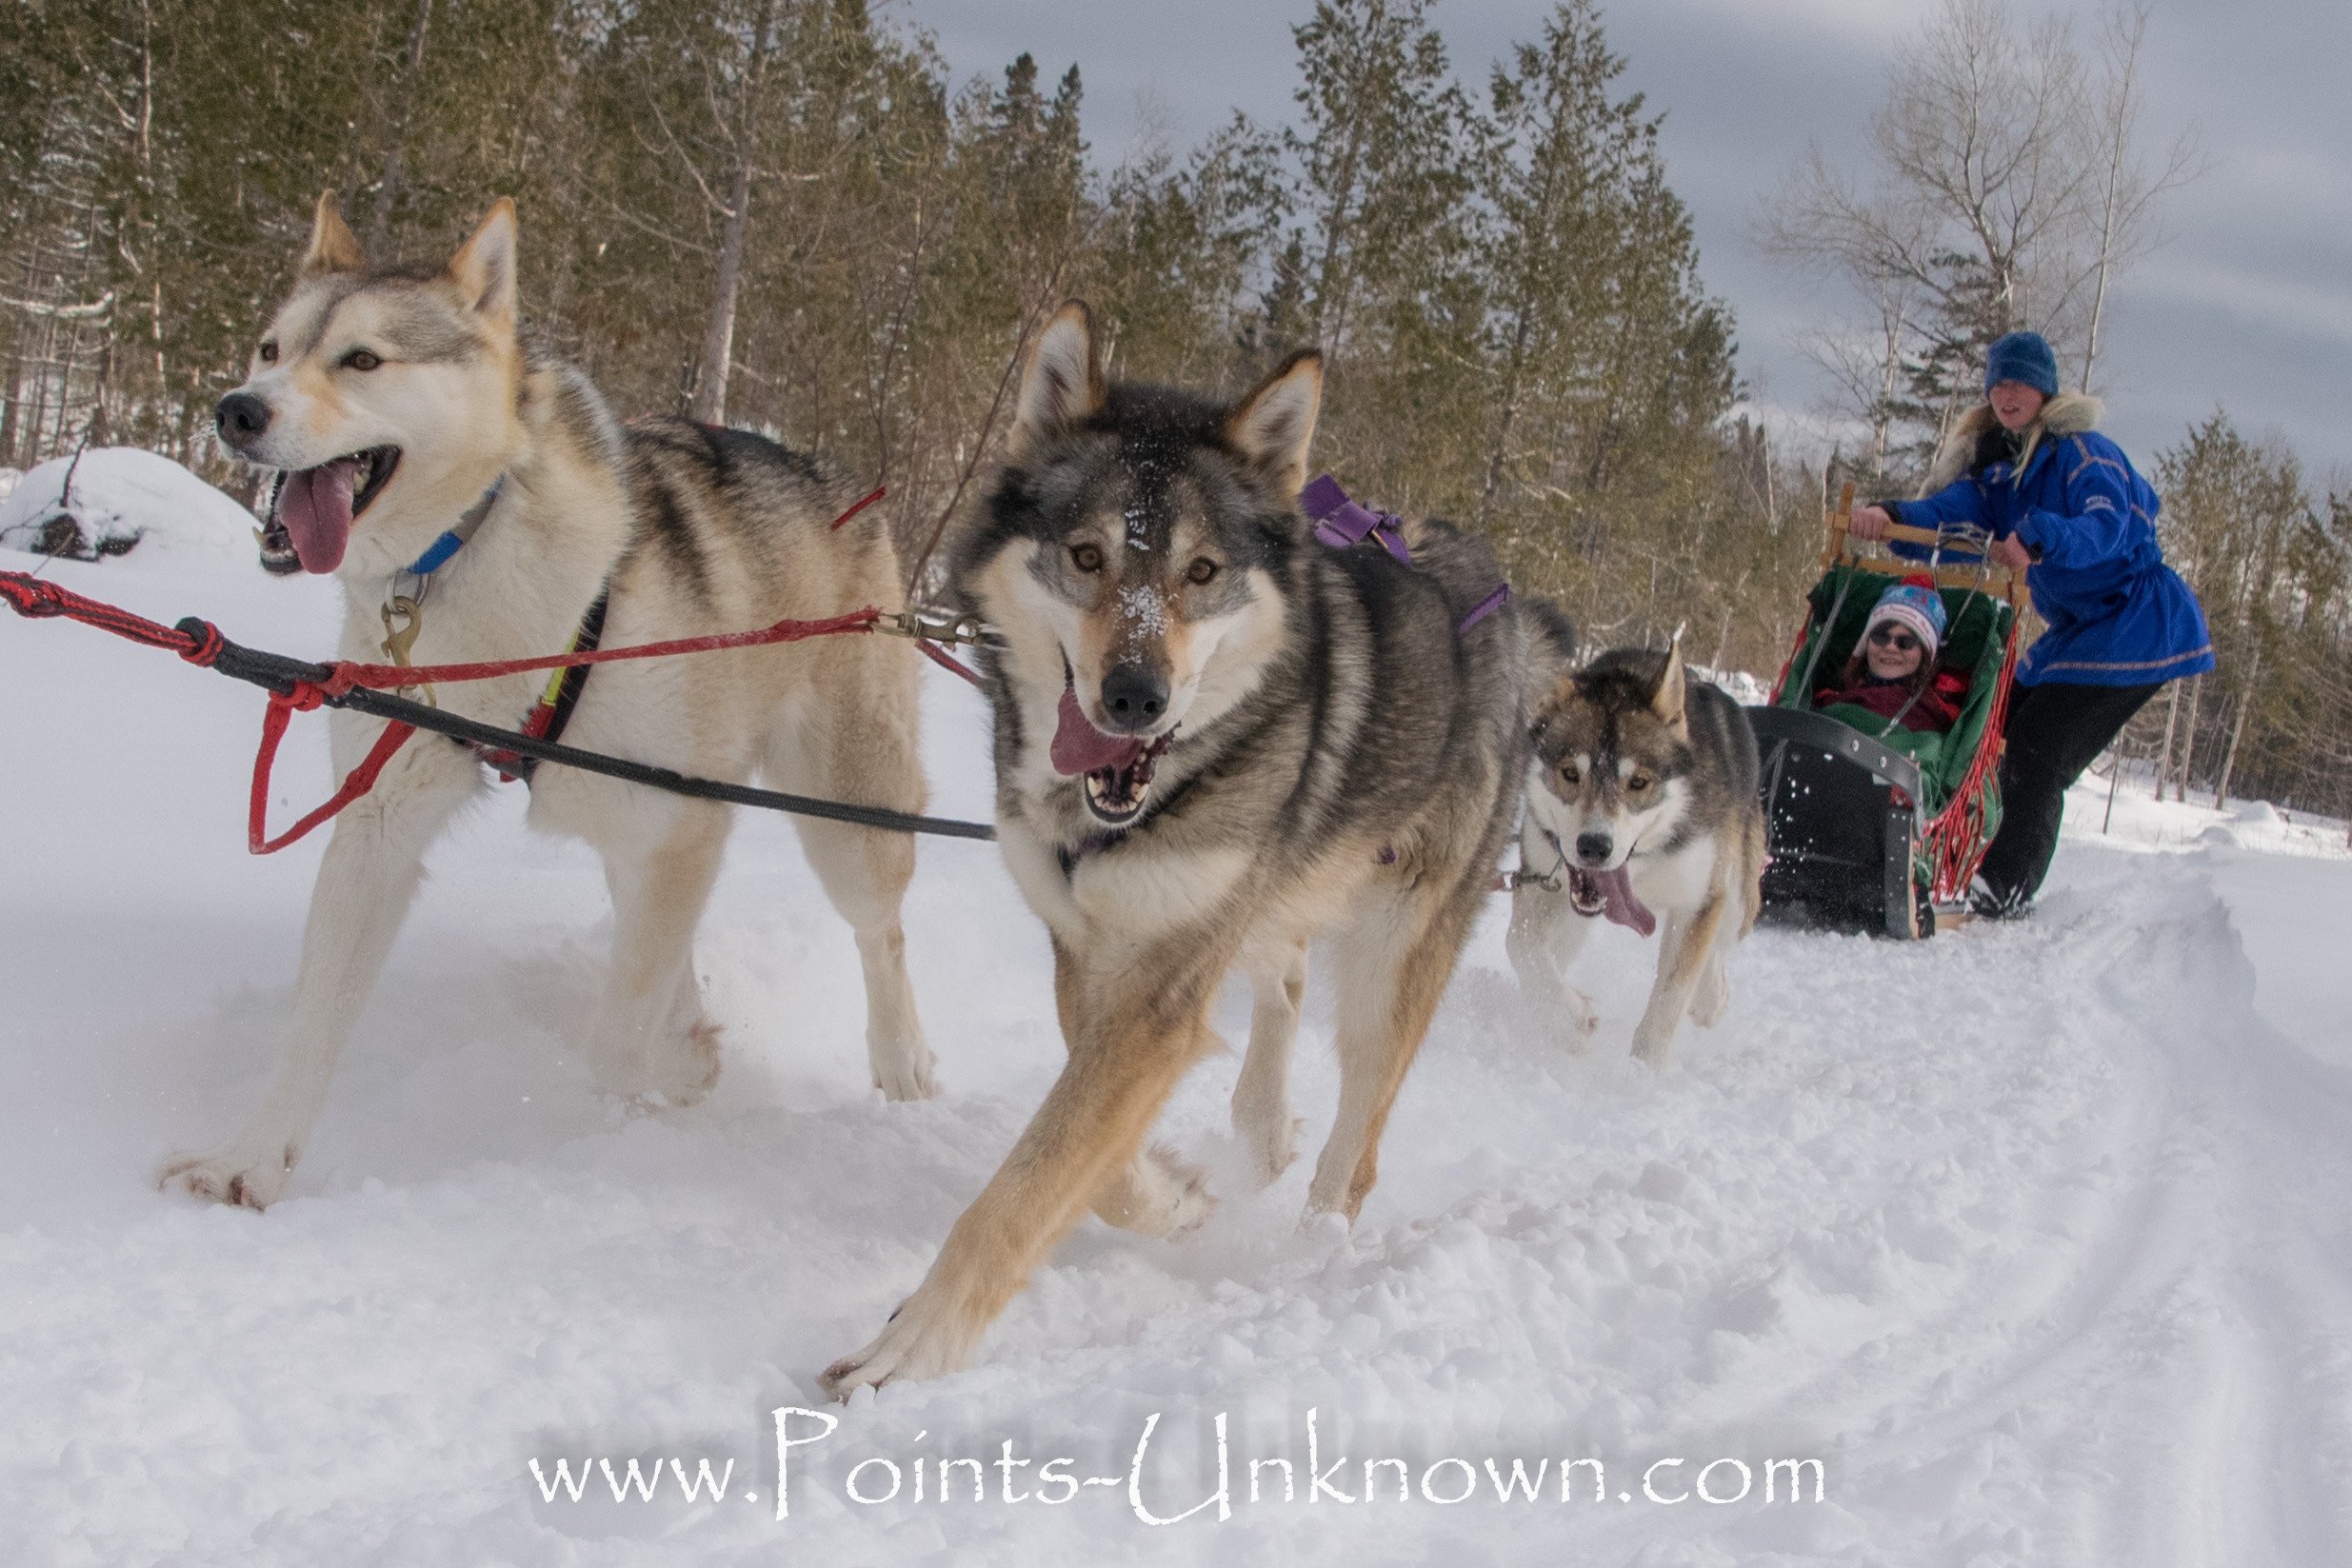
column 2026, row 358
column 1913, row 602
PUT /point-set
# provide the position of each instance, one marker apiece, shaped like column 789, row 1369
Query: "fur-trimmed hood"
column 2069, row 413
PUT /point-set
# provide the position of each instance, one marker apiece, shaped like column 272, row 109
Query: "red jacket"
column 1934, row 710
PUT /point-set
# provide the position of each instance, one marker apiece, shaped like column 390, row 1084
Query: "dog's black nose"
column 1133, row 697
column 1592, row 848
column 241, row 417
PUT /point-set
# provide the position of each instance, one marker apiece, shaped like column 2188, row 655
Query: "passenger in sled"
column 1892, row 676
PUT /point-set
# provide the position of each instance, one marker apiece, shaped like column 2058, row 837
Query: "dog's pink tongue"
column 1078, row 747
column 1617, row 888
column 315, row 506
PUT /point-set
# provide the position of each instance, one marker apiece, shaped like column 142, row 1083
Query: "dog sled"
column 1871, row 827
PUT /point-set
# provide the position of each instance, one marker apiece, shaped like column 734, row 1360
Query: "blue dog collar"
column 437, row 554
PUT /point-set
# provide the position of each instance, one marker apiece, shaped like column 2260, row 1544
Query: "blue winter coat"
column 2117, row 615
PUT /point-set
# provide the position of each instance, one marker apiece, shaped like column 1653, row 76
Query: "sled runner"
column 1871, row 825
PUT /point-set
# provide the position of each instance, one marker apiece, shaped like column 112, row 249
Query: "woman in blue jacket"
column 2062, row 502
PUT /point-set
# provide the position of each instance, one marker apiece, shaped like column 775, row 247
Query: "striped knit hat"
column 1914, row 604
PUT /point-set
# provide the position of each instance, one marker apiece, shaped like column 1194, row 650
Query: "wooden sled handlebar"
column 1844, row 550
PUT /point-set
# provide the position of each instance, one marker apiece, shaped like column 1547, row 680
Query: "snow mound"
column 118, row 497
column 2258, row 813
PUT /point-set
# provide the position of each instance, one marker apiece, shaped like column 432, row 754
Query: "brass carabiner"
column 399, row 639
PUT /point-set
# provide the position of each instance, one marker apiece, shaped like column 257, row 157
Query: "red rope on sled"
column 1955, row 840
column 1803, row 626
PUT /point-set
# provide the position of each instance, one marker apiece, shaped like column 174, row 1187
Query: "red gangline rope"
column 201, row 642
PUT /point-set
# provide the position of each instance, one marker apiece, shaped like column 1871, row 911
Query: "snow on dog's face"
column 384, row 398
column 1608, row 778
column 1134, row 555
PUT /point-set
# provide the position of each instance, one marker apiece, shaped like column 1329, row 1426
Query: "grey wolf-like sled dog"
column 1215, row 737
column 1641, row 797
column 399, row 407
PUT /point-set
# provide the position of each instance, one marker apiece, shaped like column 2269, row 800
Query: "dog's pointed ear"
column 483, row 270
column 1060, row 387
column 333, row 247
column 1667, row 702
column 1273, row 428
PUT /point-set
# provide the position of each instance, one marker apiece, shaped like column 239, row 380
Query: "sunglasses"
column 1894, row 636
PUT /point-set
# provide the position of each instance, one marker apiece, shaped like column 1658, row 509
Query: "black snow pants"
column 2055, row 731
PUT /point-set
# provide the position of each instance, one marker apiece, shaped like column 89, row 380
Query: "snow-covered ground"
column 2038, row 1237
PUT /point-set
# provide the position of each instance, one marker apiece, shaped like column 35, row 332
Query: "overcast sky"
column 2249, row 305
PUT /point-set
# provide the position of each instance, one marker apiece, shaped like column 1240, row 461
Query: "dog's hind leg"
column 1712, row 998
column 373, row 866
column 652, row 1045
column 845, row 750
column 1393, row 965
column 1685, row 945
column 1261, row 1117
column 1140, row 1031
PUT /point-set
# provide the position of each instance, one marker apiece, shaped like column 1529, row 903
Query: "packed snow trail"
column 2036, row 1236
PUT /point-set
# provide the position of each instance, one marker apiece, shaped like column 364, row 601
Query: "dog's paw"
column 905, row 1074
column 1158, row 1194
column 1323, row 1229
column 1573, row 1023
column 252, row 1178
column 1271, row 1136
column 1709, row 1007
column 921, row 1340
column 669, row 1075
column 1187, row 1203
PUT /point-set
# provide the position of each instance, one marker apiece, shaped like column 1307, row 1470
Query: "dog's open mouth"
column 312, row 510
column 1609, row 893
column 1117, row 768
column 1585, row 893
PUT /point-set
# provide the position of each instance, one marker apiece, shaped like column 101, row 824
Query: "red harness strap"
column 552, row 712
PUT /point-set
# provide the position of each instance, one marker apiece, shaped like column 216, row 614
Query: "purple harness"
column 1341, row 523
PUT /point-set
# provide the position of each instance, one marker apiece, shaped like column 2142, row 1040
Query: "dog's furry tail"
column 1552, row 638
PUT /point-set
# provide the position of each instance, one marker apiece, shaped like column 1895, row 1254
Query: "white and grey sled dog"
column 1215, row 737
column 401, row 410
column 1642, row 793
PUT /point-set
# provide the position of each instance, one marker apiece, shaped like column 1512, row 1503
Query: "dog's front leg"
column 1130, row 1048
column 1545, row 935
column 1261, row 1117
column 652, row 1046
column 1683, row 957
column 372, row 865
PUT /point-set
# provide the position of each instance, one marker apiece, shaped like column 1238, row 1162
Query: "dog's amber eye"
column 1638, row 783
column 359, row 359
column 268, row 354
column 1567, row 772
column 1201, row 571
column 1087, row 557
